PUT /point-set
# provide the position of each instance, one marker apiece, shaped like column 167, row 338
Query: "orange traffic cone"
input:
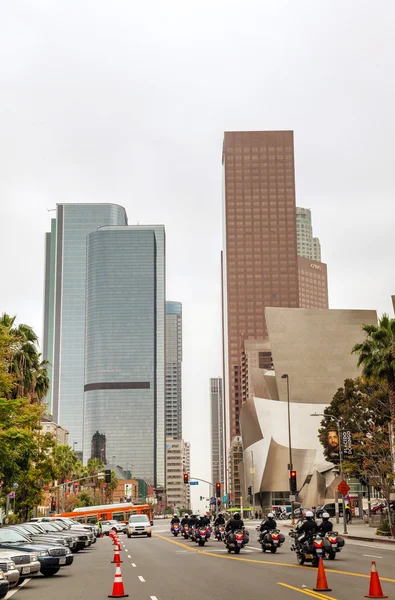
column 375, row 590
column 322, row 584
column 117, row 588
column 117, row 557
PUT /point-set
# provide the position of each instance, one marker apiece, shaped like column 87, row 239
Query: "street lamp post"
column 337, row 421
column 290, row 466
column 252, row 481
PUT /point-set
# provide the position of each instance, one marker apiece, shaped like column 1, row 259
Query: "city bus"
column 108, row 512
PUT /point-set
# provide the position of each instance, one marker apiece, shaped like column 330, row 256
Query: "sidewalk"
column 356, row 531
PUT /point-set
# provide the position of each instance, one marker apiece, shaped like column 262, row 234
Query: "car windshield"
column 51, row 527
column 138, row 519
column 10, row 536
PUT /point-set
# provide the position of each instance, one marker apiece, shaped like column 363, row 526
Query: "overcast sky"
column 126, row 101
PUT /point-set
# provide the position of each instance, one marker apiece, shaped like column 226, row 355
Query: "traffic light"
column 107, row 476
column 292, row 482
column 186, row 478
column 53, row 504
column 249, row 490
column 218, row 490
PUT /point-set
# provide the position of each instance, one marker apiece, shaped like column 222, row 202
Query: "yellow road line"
column 267, row 562
column 307, row 592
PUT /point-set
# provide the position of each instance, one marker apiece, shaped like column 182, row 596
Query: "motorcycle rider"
column 308, row 527
column 175, row 519
column 268, row 525
column 184, row 520
column 219, row 520
column 204, row 521
column 234, row 524
column 326, row 526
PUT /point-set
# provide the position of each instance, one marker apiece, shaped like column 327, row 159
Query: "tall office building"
column 177, row 463
column 260, row 266
column 217, row 431
column 124, row 387
column 308, row 246
column 64, row 307
column 313, row 276
column 174, row 370
column 313, row 284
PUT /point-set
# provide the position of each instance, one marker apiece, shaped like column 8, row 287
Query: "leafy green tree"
column 359, row 405
column 376, row 355
column 24, row 363
column 94, row 467
column 25, row 453
column 66, row 461
column 111, row 487
column 6, row 378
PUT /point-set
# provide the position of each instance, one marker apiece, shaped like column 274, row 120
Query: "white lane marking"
column 372, row 556
column 153, row 598
column 15, row 590
column 381, row 547
column 253, row 548
column 141, row 578
column 128, row 555
column 133, row 565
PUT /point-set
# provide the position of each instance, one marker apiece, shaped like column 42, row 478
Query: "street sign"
column 292, row 498
column 193, row 483
column 343, row 488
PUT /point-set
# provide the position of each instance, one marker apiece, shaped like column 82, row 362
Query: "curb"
column 380, row 539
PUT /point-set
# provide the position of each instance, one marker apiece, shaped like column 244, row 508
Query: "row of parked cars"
column 40, row 546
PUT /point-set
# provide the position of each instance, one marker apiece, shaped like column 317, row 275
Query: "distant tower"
column 217, row 431
column 174, row 370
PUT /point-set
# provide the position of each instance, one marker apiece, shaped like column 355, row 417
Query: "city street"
column 168, row 568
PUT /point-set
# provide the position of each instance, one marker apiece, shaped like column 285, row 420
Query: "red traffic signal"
column 218, row 490
column 186, row 478
column 292, row 482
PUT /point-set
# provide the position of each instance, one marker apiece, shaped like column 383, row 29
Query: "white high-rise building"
column 173, row 370
column 178, row 455
column 308, row 246
column 217, row 431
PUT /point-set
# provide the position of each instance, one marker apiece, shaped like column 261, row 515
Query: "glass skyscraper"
column 174, row 370
column 124, row 386
column 64, row 307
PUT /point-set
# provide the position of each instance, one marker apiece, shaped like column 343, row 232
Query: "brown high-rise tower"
column 261, row 264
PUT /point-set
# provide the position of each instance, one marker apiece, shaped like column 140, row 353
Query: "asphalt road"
column 168, row 568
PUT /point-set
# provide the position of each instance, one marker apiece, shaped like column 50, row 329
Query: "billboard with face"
column 332, row 441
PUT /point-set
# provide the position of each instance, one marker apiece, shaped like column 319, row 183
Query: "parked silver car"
column 26, row 563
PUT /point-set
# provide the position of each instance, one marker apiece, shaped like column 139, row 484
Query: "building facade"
column 323, row 360
column 308, row 246
column 124, row 385
column 174, row 370
column 177, row 463
column 217, row 431
column 260, row 266
column 313, row 283
column 60, row 435
column 235, row 455
column 64, row 307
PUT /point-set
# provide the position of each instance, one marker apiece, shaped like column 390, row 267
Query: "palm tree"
column 377, row 357
column 30, row 372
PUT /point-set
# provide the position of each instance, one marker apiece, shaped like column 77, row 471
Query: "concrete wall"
column 314, row 347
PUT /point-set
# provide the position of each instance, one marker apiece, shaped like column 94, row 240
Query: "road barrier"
column 117, row 588
column 117, row 556
column 322, row 584
column 375, row 590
